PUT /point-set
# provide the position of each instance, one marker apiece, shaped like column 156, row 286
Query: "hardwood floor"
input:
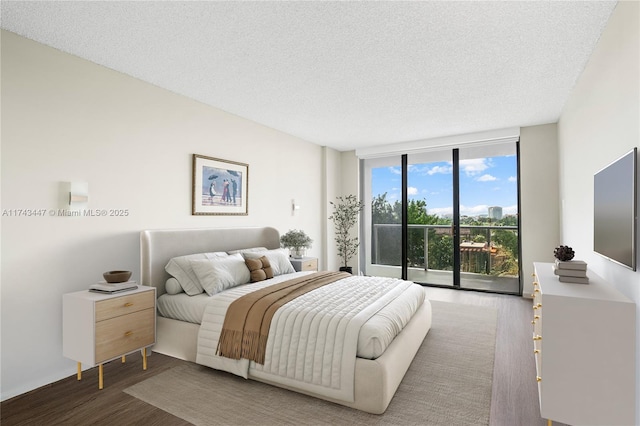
column 69, row 402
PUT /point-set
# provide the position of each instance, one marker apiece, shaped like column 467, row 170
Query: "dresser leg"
column 100, row 377
column 124, row 359
column 549, row 422
column 144, row 358
column 79, row 371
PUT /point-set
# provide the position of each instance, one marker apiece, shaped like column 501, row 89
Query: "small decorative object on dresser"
column 568, row 270
column 571, row 271
column 297, row 241
column 563, row 253
column 98, row 328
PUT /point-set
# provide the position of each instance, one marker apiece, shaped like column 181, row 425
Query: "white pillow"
column 180, row 268
column 277, row 258
column 218, row 274
column 172, row 286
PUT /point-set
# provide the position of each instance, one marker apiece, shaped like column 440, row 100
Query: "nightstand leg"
column 549, row 422
column 144, row 358
column 124, row 359
column 100, row 380
column 79, row 371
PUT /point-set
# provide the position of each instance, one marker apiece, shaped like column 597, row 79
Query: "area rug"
column 448, row 383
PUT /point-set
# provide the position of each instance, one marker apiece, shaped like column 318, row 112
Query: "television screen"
column 614, row 213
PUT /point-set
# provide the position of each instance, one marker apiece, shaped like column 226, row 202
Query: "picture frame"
column 220, row 187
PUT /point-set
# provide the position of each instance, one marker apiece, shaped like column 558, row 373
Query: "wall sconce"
column 294, row 207
column 75, row 195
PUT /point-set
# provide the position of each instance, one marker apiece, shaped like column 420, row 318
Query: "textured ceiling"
column 341, row 74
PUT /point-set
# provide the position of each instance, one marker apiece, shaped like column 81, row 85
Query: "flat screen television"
column 615, row 210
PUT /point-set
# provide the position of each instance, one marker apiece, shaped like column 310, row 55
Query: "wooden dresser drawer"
column 125, row 333
column 123, row 305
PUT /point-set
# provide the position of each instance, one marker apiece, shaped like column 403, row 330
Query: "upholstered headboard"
column 158, row 246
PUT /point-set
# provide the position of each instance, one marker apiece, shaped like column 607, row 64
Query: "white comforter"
column 312, row 340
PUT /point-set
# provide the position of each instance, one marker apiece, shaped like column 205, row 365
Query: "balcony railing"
column 485, row 249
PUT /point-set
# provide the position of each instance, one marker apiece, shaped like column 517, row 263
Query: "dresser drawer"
column 125, row 333
column 123, row 305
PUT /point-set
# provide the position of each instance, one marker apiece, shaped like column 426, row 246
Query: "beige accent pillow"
column 260, row 269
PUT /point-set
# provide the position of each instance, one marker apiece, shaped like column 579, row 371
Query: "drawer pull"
column 539, row 305
column 128, row 333
column 538, row 379
column 537, row 337
column 533, row 322
column 536, row 290
column 536, row 351
column 128, row 304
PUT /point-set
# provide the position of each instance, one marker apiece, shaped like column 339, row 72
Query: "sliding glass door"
column 460, row 224
column 489, row 237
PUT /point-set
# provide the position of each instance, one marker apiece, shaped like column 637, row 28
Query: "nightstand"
column 304, row 263
column 98, row 328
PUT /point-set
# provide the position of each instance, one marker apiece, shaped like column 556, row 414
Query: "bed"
column 376, row 377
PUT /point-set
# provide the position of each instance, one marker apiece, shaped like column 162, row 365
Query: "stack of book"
column 571, row 271
column 105, row 287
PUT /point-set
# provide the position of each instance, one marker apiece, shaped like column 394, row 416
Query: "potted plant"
column 345, row 216
column 296, row 241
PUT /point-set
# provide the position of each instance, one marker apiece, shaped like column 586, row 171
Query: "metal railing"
column 430, row 249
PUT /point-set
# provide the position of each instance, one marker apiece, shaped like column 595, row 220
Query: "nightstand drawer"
column 305, row 264
column 309, row 265
column 123, row 305
column 123, row 334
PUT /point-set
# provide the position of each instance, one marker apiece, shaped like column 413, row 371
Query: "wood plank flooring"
column 69, row 402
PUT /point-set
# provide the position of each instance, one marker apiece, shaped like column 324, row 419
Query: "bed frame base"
column 376, row 381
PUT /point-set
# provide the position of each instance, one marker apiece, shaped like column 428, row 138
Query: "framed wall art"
column 219, row 186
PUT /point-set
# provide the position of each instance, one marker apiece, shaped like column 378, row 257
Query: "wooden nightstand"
column 98, row 328
column 305, row 264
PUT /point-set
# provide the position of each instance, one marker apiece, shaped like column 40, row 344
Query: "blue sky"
column 484, row 182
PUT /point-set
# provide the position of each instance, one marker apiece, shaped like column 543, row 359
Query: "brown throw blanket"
column 246, row 324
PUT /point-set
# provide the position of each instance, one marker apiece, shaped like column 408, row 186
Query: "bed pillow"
column 172, row 286
column 260, row 269
column 220, row 273
column 247, row 250
column 180, row 269
column 277, row 258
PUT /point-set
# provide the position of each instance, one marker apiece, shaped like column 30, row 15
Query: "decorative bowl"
column 116, row 276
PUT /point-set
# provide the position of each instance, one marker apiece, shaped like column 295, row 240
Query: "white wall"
column 539, row 218
column 66, row 119
column 599, row 123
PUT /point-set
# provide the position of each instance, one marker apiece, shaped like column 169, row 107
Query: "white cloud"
column 486, row 178
column 474, row 166
column 510, row 210
column 512, row 179
column 440, row 170
column 411, row 190
column 395, row 170
column 474, row 210
column 441, row 211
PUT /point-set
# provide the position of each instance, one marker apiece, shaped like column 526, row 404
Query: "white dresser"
column 584, row 346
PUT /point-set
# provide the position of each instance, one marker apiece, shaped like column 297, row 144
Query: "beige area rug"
column 448, row 383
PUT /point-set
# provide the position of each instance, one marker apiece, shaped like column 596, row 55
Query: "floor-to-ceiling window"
column 461, row 223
